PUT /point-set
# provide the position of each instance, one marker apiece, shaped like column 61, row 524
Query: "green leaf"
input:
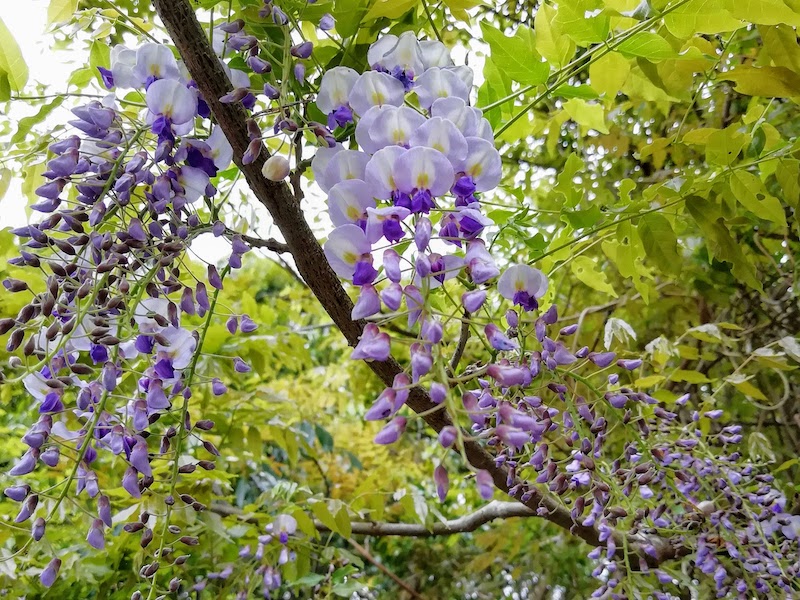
column 587, row 115
column 581, row 219
column 496, row 86
column 557, row 48
column 348, row 14
column 572, row 20
column 700, row 16
column 699, row 136
column 566, row 186
column 648, row 382
column 659, row 242
column 343, row 522
column 5, row 87
column 60, row 11
column 27, row 123
column 11, row 61
column 459, row 8
column 647, row 45
column 724, row 146
column 32, row 179
column 391, row 9
column 99, row 56
column 769, row 82
column 586, row 270
column 788, row 176
column 321, row 511
column 518, row 55
column 750, row 192
column 719, row 242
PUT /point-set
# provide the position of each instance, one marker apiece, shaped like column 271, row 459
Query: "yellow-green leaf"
column 763, row 12
column 780, row 43
column 60, row 11
column 700, row 16
column 688, row 376
column 724, row 146
column 5, row 181
column 748, row 389
column 551, row 43
column 769, row 82
column 391, row 9
column 647, row 45
column 608, row 74
column 572, row 20
column 587, row 115
column 646, row 382
column 699, row 136
column 11, row 61
column 585, row 269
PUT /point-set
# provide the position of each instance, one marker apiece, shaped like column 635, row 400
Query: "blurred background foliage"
column 657, row 182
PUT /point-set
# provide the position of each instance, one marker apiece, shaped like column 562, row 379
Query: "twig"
column 462, row 343
column 366, row 554
column 270, row 244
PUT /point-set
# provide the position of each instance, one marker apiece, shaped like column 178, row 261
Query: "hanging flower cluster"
column 425, row 159
column 109, row 355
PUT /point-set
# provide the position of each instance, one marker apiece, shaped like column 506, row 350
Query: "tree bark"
column 206, row 70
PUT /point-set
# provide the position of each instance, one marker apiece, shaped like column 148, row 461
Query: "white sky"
column 27, row 21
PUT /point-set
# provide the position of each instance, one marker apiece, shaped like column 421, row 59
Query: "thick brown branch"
column 277, row 197
column 466, row 524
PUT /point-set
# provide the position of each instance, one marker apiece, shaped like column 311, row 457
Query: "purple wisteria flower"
column 523, row 285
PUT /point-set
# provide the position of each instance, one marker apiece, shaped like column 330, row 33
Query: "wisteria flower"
column 374, row 88
column 439, row 83
column 349, row 253
column 343, row 165
column 334, row 94
column 395, row 126
column 523, row 285
column 385, row 222
column 379, row 172
column 423, row 173
column 172, row 103
column 153, row 62
column 442, row 135
column 482, row 164
column 374, row 345
column 348, row 202
column 434, row 54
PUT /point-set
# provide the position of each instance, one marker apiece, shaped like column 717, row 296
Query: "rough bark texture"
column 205, row 68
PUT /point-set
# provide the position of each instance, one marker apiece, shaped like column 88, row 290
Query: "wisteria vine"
column 405, row 162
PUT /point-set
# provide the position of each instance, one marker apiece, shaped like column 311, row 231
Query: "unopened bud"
column 276, row 168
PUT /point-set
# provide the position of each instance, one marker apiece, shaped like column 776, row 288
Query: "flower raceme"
column 418, row 167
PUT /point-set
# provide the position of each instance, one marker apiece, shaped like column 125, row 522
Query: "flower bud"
column 276, row 168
